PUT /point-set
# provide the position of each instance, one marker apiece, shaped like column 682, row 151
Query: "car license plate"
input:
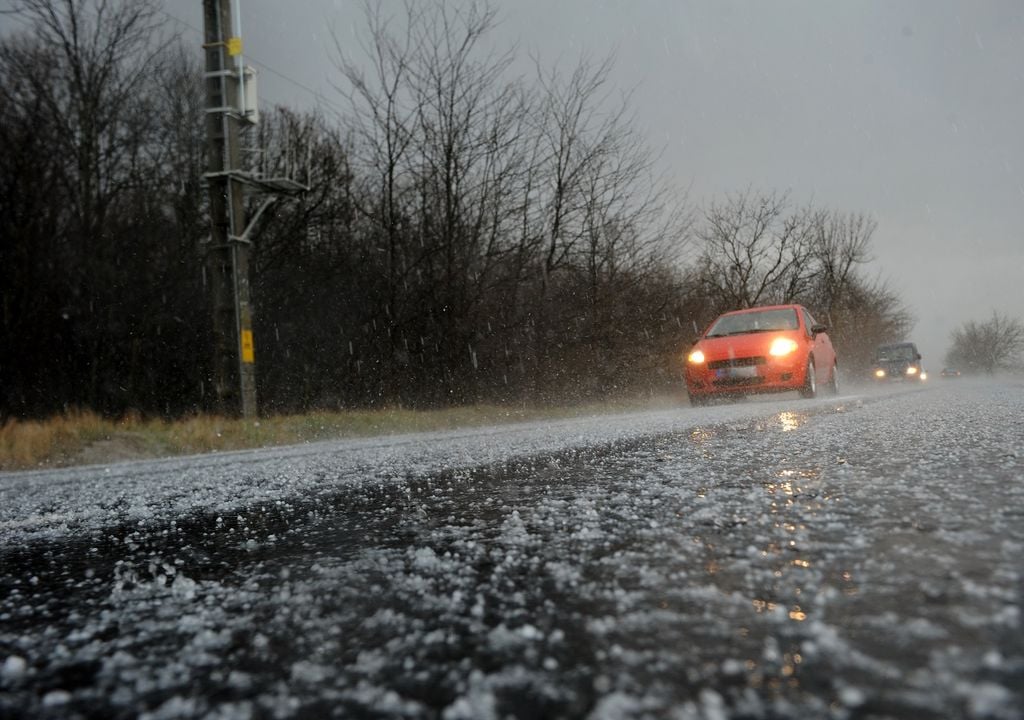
column 737, row 373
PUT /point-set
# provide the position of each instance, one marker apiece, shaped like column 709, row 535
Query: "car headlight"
column 782, row 346
column 924, row 375
column 879, row 373
column 911, row 370
column 696, row 357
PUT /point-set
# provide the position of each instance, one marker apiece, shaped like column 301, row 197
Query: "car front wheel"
column 810, row 388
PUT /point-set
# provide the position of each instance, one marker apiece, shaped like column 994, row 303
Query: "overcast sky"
column 910, row 111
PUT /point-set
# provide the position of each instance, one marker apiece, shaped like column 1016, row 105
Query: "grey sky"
column 911, row 111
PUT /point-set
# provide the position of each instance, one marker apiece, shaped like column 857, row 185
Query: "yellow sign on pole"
column 234, row 46
column 248, row 347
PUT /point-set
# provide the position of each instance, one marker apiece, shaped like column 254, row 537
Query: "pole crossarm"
column 274, row 185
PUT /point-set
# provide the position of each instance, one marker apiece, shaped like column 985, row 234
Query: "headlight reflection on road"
column 850, row 588
column 701, row 437
column 791, row 420
column 789, row 662
column 783, row 488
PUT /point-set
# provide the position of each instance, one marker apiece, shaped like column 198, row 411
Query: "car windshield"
column 896, row 352
column 752, row 322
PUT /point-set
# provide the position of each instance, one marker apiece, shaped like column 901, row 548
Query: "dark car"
column 950, row 373
column 898, row 361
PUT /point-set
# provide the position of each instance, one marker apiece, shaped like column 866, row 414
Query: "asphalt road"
column 851, row 557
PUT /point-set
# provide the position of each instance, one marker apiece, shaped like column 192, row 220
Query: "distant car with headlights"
column 898, row 362
column 950, row 373
column 762, row 349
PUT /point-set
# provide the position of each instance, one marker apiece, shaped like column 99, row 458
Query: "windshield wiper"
column 751, row 331
column 745, row 332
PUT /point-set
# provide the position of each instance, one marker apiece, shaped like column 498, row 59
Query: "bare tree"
column 988, row 346
column 756, row 250
column 103, row 51
column 382, row 125
column 574, row 131
column 860, row 313
column 841, row 245
column 597, row 219
column 468, row 124
column 869, row 313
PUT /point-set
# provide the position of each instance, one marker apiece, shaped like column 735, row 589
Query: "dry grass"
column 28, row 443
column 81, row 437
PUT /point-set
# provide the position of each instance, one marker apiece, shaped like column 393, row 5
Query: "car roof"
column 896, row 345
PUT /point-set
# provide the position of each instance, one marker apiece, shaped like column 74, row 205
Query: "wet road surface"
column 853, row 557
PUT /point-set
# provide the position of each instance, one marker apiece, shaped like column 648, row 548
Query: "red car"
column 762, row 349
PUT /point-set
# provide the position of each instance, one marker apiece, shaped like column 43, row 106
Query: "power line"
column 315, row 93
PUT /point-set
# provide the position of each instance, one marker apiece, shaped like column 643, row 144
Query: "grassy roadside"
column 83, row 437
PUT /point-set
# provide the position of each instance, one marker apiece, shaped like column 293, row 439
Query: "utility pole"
column 227, row 256
column 231, row 105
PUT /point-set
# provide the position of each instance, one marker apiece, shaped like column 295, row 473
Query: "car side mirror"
column 818, row 328
column 918, row 356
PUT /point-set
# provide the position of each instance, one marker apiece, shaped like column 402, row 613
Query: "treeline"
column 994, row 345
column 468, row 235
